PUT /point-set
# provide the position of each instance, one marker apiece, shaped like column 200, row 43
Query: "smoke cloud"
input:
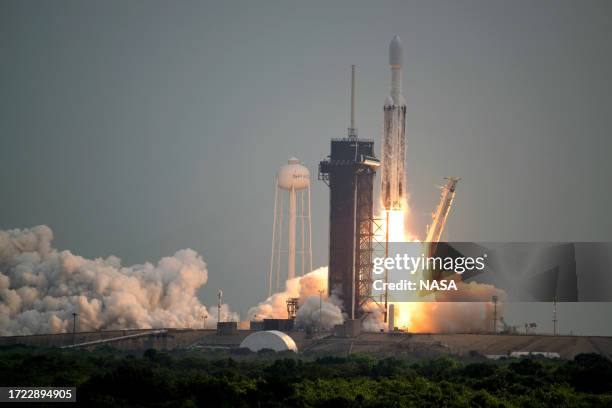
column 315, row 313
column 469, row 309
column 306, row 288
column 40, row 288
column 374, row 320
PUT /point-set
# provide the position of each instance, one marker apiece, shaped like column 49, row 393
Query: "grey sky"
column 139, row 128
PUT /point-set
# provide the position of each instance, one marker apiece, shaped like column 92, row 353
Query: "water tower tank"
column 293, row 175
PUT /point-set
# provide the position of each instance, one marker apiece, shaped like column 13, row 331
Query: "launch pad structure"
column 349, row 172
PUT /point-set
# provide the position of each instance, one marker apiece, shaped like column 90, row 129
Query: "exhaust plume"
column 468, row 310
column 40, row 288
column 306, row 288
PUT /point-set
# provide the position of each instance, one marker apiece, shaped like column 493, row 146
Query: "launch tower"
column 349, row 172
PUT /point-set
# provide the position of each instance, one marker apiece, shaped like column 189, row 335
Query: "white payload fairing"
column 393, row 157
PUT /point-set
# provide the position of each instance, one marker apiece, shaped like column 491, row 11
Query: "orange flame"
column 408, row 315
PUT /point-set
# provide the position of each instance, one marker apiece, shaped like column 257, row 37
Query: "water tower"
column 292, row 185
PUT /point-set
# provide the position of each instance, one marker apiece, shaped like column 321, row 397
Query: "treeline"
column 157, row 379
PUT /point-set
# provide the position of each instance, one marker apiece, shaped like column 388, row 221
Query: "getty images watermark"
column 468, row 271
column 416, row 266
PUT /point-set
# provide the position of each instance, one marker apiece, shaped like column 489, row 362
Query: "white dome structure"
column 271, row 339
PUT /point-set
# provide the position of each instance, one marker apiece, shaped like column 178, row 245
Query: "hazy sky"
column 139, row 128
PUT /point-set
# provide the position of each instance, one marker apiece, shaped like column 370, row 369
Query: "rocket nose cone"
column 395, row 52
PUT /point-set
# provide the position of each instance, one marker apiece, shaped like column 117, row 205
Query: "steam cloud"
column 40, row 288
column 467, row 310
column 310, row 313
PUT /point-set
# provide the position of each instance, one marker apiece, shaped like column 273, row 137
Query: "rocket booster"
column 393, row 157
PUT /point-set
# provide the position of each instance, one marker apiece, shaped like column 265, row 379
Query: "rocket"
column 393, row 157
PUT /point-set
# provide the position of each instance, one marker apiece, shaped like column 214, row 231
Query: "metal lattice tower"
column 292, row 307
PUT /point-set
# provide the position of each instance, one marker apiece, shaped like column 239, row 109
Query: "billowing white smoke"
column 469, row 310
column 317, row 313
column 306, row 289
column 40, row 288
column 374, row 320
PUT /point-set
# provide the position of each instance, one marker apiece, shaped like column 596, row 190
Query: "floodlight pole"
column 320, row 310
column 494, row 299
column 74, row 316
column 554, row 316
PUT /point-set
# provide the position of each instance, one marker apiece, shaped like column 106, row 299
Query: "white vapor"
column 306, row 288
column 40, row 288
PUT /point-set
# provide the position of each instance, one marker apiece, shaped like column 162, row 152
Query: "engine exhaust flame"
column 441, row 313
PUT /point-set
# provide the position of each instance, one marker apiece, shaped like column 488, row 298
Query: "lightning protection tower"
column 293, row 186
column 349, row 172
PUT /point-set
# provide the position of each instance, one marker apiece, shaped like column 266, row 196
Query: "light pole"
column 220, row 297
column 320, row 310
column 74, row 316
column 555, row 316
column 494, row 299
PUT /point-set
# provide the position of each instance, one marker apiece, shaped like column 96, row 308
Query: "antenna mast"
column 555, row 316
column 352, row 130
column 220, row 296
